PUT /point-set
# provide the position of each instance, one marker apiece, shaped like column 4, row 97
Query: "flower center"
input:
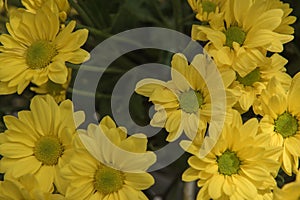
column 108, row 180
column 190, row 101
column 234, row 34
column 40, row 54
column 208, row 6
column 250, row 78
column 48, row 149
column 286, row 125
column 228, row 163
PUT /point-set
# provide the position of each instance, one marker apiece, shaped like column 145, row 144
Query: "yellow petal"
column 139, row 181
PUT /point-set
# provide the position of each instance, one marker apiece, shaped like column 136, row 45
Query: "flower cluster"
column 44, row 155
column 244, row 39
column 36, row 49
column 233, row 108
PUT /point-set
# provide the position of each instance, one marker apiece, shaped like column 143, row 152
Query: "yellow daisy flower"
column 240, row 166
column 289, row 191
column 113, row 167
column 39, row 141
column 57, row 91
column 26, row 187
column 248, row 28
column 287, row 20
column 248, row 88
column 184, row 103
column 206, row 10
column 281, row 120
column 63, row 7
column 35, row 53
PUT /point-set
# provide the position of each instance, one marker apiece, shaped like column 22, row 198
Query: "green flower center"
column 250, row 78
column 48, row 150
column 54, row 88
column 208, row 6
column 190, row 101
column 108, row 180
column 40, row 54
column 234, row 34
column 228, row 163
column 286, row 125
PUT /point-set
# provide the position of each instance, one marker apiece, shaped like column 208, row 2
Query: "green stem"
column 94, row 68
column 104, row 35
column 177, row 13
column 189, row 191
column 88, row 94
column 94, row 31
column 82, row 13
column 160, row 14
column 187, row 18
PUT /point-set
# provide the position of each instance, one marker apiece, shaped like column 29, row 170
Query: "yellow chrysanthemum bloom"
column 184, row 103
column 249, row 87
column 206, row 10
column 39, row 141
column 113, row 167
column 25, row 188
column 240, row 166
column 57, row 91
column 287, row 20
column 37, row 53
column 281, row 120
column 289, row 191
column 248, row 28
column 63, row 7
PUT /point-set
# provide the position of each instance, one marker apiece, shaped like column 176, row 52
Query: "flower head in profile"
column 39, row 141
column 36, row 51
column 281, row 120
column 287, row 20
column 112, row 166
column 25, row 187
column 34, row 5
column 240, row 165
column 248, row 88
column 207, row 10
column 289, row 191
column 57, row 91
column 248, row 28
column 184, row 103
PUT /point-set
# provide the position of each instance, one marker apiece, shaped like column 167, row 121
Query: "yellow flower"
column 248, row 28
column 184, row 103
column 34, row 5
column 36, row 51
column 248, row 88
column 207, row 10
column 281, row 120
column 289, row 191
column 57, row 91
column 39, row 141
column 287, row 20
column 240, row 166
column 26, row 187
column 113, row 167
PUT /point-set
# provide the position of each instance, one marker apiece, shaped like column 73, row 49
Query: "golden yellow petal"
column 139, row 181
column 28, row 165
column 294, row 95
column 146, row 87
column 15, row 150
column 45, row 177
column 135, row 143
column 190, row 174
column 215, row 186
